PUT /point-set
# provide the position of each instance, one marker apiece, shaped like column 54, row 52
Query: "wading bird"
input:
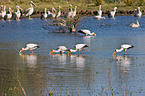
column 99, row 17
column 135, row 25
column 60, row 49
column 78, row 47
column 70, row 13
column 9, row 16
column 112, row 13
column 18, row 13
column 44, row 16
column 30, row 47
column 137, row 12
column 3, row 12
column 124, row 47
column 87, row 32
column 59, row 12
column 74, row 12
column 31, row 9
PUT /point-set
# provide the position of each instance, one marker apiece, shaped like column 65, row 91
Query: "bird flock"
column 62, row 22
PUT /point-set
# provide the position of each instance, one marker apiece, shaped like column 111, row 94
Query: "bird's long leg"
column 82, row 52
column 125, row 52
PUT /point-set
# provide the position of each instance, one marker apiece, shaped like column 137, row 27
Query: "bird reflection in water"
column 29, row 59
column 62, row 58
column 79, row 60
column 74, row 60
column 124, row 61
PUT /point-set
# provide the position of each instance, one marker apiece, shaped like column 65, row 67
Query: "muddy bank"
column 37, row 14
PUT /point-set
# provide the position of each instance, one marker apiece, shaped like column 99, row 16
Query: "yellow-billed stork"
column 60, row 49
column 124, row 47
column 87, row 32
column 78, row 47
column 30, row 47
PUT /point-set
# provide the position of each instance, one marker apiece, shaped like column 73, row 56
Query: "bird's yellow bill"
column 51, row 52
column 20, row 51
column 94, row 34
column 114, row 53
column 69, row 52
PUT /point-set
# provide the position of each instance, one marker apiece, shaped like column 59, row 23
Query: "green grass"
column 24, row 4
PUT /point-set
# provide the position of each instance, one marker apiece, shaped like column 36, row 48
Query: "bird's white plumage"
column 3, row 11
column 135, row 25
column 99, row 17
column 70, row 13
column 78, row 47
column 30, row 46
column 44, row 16
column 74, row 12
column 31, row 9
column 18, row 13
column 59, row 49
column 59, row 12
column 100, row 11
column 124, row 47
column 137, row 12
column 112, row 13
column 9, row 16
column 87, row 32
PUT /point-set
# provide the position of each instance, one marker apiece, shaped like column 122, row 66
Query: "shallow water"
column 94, row 73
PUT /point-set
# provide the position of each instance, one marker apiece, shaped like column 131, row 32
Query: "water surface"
column 94, row 73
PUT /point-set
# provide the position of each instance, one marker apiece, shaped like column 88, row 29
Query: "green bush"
column 140, row 2
column 128, row 2
column 98, row 2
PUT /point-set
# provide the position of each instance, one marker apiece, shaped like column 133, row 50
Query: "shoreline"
column 37, row 14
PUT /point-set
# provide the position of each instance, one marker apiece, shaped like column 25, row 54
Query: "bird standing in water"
column 30, row 47
column 124, row 47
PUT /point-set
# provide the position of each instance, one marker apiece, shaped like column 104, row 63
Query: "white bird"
column 9, row 16
column 78, row 47
column 124, row 47
column 100, row 11
column 59, row 12
column 53, row 13
column 18, row 13
column 70, row 13
column 30, row 47
column 137, row 12
column 99, row 17
column 1, row 8
column 74, row 12
column 112, row 13
column 60, row 49
column 31, row 9
column 44, row 16
column 87, row 32
column 3, row 11
column 135, row 25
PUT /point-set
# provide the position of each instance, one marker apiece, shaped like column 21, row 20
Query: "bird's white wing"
column 84, row 31
column 80, row 46
column 63, row 48
column 126, row 46
column 28, row 9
